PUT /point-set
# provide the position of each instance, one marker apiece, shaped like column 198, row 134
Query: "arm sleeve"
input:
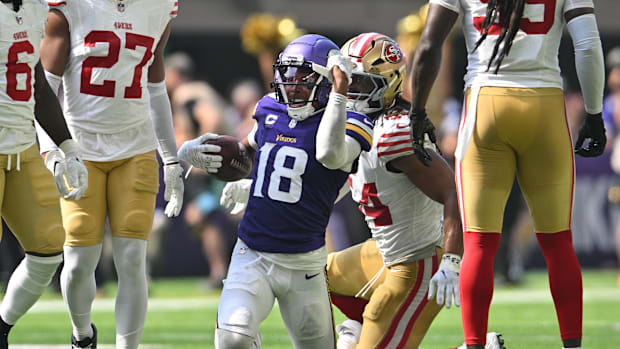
column 573, row 4
column 336, row 147
column 45, row 142
column 588, row 61
column 161, row 114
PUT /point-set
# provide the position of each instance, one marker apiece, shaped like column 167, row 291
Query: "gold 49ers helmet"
column 378, row 74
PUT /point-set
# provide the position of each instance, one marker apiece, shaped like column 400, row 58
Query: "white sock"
column 131, row 299
column 77, row 282
column 27, row 284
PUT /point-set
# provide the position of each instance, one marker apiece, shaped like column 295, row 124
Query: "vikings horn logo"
column 393, row 54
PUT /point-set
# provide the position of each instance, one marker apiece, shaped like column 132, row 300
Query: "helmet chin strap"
column 301, row 113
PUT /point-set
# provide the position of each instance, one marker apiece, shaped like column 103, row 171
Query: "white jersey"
column 106, row 102
column 20, row 35
column 406, row 223
column 534, row 51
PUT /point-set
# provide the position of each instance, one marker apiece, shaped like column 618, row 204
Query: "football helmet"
column 300, row 75
column 378, row 74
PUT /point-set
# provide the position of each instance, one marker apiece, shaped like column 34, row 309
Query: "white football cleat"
column 494, row 341
column 349, row 332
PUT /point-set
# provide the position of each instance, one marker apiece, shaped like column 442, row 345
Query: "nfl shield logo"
column 19, row 19
column 120, row 6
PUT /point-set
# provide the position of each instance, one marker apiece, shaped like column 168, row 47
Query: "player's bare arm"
column 156, row 70
column 56, row 43
column 437, row 182
column 424, row 70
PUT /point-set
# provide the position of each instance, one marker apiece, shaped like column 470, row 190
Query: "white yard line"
column 516, row 296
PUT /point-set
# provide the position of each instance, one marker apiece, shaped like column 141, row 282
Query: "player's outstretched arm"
column 424, row 70
column 590, row 68
column 436, row 181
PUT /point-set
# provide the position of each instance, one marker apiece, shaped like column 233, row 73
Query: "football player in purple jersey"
column 305, row 144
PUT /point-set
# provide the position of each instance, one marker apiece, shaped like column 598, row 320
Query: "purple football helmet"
column 300, row 75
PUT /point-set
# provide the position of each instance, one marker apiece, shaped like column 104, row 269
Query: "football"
column 236, row 164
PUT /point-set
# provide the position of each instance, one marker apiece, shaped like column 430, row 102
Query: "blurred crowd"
column 198, row 108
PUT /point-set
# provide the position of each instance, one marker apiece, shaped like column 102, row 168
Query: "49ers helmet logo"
column 393, row 54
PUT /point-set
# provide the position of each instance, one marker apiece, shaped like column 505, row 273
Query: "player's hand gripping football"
column 173, row 193
column 235, row 195
column 445, row 282
column 594, row 130
column 69, row 172
column 421, row 125
column 201, row 155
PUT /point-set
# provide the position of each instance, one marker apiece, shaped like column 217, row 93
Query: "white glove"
column 235, row 195
column 342, row 62
column 446, row 281
column 202, row 156
column 173, row 193
column 69, row 172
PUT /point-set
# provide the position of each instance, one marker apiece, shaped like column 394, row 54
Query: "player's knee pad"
column 79, row 224
column 39, row 271
column 138, row 221
column 379, row 302
column 225, row 339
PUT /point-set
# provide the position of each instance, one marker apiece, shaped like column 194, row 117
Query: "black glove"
column 594, row 130
column 421, row 125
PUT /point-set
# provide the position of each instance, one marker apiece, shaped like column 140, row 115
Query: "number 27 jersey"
column 292, row 193
column 112, row 46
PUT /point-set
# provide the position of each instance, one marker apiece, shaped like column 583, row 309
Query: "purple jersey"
column 292, row 193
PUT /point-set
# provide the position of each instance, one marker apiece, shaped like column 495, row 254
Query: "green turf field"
column 182, row 316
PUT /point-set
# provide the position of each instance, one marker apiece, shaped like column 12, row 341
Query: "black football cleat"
column 89, row 343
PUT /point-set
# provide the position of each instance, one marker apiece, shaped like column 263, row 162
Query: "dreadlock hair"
column 16, row 4
column 509, row 13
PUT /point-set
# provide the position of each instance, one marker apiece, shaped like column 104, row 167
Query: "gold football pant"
column 124, row 190
column 522, row 131
column 29, row 202
column 398, row 312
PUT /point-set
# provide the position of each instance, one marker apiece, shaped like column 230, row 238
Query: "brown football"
column 236, row 164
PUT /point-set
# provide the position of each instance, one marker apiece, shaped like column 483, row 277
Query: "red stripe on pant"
column 476, row 284
column 564, row 280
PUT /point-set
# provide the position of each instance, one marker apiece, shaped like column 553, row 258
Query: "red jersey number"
column 529, row 27
column 132, row 41
column 372, row 207
column 13, row 68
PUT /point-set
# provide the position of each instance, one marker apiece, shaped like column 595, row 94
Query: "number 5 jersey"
column 292, row 193
column 106, row 102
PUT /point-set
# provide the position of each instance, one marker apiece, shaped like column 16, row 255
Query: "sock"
column 564, row 280
column 350, row 306
column 77, row 282
column 476, row 284
column 4, row 331
column 27, row 284
column 132, row 296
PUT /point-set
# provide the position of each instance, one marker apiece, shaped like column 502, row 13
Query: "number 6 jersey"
column 20, row 36
column 292, row 193
column 112, row 46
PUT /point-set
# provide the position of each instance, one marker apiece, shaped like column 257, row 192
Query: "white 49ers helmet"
column 378, row 74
